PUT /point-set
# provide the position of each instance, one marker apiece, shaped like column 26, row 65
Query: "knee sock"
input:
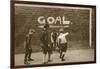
column 44, row 58
column 63, row 54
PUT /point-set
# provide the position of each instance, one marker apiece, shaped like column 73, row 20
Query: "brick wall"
column 26, row 17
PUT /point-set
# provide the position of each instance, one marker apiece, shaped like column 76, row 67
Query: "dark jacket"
column 28, row 40
column 45, row 38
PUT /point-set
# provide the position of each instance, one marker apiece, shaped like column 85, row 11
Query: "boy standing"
column 46, row 47
column 27, row 45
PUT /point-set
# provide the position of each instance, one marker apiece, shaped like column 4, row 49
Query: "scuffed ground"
column 81, row 55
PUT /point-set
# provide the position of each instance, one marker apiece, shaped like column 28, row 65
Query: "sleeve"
column 42, row 36
column 24, row 44
column 66, row 33
column 25, row 41
column 52, row 37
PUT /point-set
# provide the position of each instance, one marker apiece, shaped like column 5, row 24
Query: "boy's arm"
column 67, row 33
column 24, row 44
column 59, row 41
column 52, row 38
column 41, row 37
column 25, row 40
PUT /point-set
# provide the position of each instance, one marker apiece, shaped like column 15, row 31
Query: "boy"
column 54, row 39
column 46, row 47
column 27, row 46
column 62, row 43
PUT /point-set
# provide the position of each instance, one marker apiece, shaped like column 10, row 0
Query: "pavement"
column 80, row 55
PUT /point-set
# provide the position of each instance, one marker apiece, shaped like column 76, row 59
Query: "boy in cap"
column 27, row 46
column 46, row 47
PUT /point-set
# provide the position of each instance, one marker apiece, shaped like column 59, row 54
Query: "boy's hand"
column 48, row 45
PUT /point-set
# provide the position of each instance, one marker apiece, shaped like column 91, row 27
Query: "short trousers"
column 63, row 47
column 47, row 49
column 28, row 50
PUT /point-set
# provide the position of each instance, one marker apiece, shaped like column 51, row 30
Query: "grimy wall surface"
column 27, row 17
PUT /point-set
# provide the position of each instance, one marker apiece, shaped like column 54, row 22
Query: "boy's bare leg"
column 44, row 58
column 25, row 59
column 60, row 54
column 29, row 57
column 49, row 57
column 63, row 55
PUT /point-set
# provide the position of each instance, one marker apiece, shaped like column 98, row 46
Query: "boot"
column 62, row 59
column 30, row 59
column 27, row 63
